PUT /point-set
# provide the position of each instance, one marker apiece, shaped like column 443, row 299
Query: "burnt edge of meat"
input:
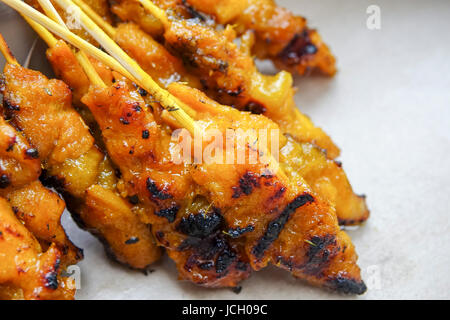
column 236, row 289
column 134, row 199
column 255, row 108
column 51, row 277
column 4, row 181
column 247, row 183
column 186, row 50
column 192, row 12
column 210, row 249
column 132, row 240
column 319, row 253
column 201, row 225
column 213, row 251
column 155, row 191
column 32, row 153
column 275, row 226
column 238, row 231
column 347, row 286
column 169, row 213
column 299, row 47
column 351, row 222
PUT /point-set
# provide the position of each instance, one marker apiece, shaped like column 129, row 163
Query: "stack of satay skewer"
column 103, row 137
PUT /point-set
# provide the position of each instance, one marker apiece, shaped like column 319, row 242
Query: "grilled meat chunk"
column 279, row 211
column 230, row 76
column 38, row 208
column 26, row 271
column 72, row 162
column 280, row 35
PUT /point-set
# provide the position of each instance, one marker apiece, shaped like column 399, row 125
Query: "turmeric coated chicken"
column 218, row 221
column 324, row 175
column 26, row 271
column 279, row 34
column 34, row 247
column 229, row 75
column 41, row 109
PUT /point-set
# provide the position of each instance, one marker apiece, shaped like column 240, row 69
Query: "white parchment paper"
column 388, row 109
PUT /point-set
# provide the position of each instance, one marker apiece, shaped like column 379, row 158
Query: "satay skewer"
column 127, row 66
column 81, row 56
column 177, row 108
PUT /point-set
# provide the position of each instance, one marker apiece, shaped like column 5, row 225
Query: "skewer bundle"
column 217, row 222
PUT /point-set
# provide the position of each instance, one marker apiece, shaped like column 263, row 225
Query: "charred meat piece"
column 284, row 213
column 153, row 57
column 229, row 75
column 280, row 35
column 28, row 271
column 73, row 164
column 165, row 189
column 38, row 208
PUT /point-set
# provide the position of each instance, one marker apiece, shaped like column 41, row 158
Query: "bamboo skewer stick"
column 154, row 10
column 169, row 102
column 127, row 66
column 51, row 12
column 43, row 33
column 4, row 49
column 89, row 69
column 81, row 56
column 87, row 17
column 177, row 108
column 109, row 29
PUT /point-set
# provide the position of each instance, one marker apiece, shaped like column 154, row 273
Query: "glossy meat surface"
column 42, row 109
column 279, row 34
column 26, row 271
column 153, row 57
column 214, row 218
column 231, row 77
column 34, row 248
column 38, row 208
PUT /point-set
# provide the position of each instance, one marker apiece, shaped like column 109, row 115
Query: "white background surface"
column 388, row 109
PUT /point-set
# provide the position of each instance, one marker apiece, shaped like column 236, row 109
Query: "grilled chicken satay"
column 230, row 76
column 106, row 214
column 280, row 35
column 38, row 208
column 26, row 271
column 213, row 219
column 325, row 176
column 298, row 216
column 37, row 221
column 41, row 109
column 131, row 10
column 153, row 57
column 140, row 147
